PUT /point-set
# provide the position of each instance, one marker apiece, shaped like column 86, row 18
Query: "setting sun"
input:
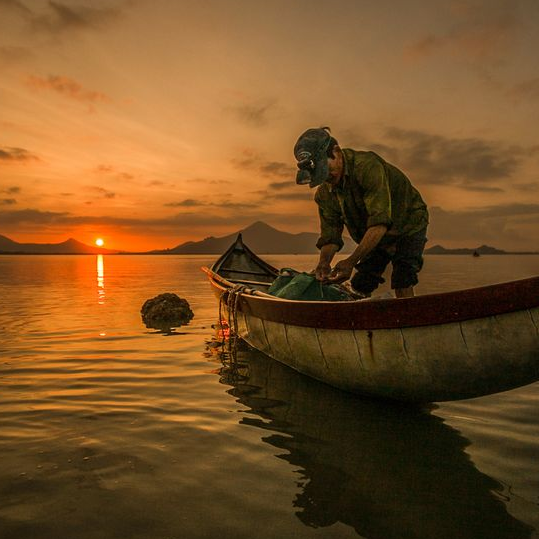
column 99, row 242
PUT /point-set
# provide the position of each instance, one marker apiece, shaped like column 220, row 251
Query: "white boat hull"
column 423, row 364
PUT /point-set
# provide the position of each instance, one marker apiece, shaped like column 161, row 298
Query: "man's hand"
column 322, row 271
column 342, row 271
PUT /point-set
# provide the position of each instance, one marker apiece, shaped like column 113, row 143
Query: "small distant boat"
column 475, row 254
column 435, row 347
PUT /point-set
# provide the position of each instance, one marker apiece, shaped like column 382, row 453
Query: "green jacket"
column 372, row 192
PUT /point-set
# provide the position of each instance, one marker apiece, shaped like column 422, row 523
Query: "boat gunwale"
column 423, row 310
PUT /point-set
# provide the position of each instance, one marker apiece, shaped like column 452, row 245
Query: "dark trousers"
column 406, row 256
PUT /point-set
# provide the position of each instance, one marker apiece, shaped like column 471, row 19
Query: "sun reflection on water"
column 100, row 280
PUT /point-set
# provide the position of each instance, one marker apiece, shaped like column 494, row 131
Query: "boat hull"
column 437, row 347
column 420, row 364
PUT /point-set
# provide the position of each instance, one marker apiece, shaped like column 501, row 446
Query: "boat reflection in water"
column 387, row 470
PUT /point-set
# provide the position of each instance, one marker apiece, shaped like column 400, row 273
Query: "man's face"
column 335, row 167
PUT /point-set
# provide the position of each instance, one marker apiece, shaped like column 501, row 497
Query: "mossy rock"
column 166, row 311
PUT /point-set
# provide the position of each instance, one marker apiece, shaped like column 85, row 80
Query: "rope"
column 232, row 300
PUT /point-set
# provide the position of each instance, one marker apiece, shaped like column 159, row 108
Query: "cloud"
column 225, row 204
column 57, row 17
column 68, row 88
column 484, row 188
column 529, row 187
column 105, row 193
column 14, row 55
column 208, row 181
column 63, row 17
column 279, row 185
column 33, row 216
column 109, row 170
column 476, row 33
column 525, row 91
column 11, row 190
column 16, row 154
column 187, row 203
column 499, row 225
column 300, row 195
column 251, row 160
column 62, row 221
column 7, row 201
column 469, row 163
column 16, row 6
column 273, row 168
column 253, row 114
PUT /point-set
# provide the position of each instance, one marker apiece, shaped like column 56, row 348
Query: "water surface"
column 111, row 429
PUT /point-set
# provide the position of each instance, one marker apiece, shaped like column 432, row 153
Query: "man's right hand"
column 322, row 271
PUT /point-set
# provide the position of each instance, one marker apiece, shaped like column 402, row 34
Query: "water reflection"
column 388, row 471
column 100, row 280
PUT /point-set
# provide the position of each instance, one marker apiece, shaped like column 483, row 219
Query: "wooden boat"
column 435, row 347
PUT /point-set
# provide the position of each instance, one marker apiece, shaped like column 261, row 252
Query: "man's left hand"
column 342, row 271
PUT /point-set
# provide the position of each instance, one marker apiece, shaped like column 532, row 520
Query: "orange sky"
column 153, row 123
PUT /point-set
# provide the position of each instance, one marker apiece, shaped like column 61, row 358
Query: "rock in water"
column 166, row 311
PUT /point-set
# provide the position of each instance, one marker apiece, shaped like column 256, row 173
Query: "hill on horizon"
column 68, row 247
column 260, row 237
column 481, row 250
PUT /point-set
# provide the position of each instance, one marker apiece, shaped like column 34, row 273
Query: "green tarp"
column 292, row 284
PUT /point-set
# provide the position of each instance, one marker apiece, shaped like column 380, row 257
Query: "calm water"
column 112, row 430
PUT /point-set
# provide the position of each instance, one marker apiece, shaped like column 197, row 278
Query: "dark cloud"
column 105, row 193
column 7, row 201
column 249, row 159
column 11, row 190
column 14, row 55
column 287, row 191
column 525, row 91
column 503, row 225
column 31, row 216
column 109, row 170
column 16, row 6
column 208, row 181
column 254, row 114
column 470, row 163
column 529, row 187
column 63, row 17
column 273, row 168
column 58, row 17
column 16, row 154
column 302, row 194
column 187, row 203
column 168, row 224
column 476, row 34
column 280, row 185
column 68, row 88
column 225, row 204
column 483, row 188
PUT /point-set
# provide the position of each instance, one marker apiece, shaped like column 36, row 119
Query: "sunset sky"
column 152, row 123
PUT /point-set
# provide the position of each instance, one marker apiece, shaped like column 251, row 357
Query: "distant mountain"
column 260, row 237
column 483, row 250
column 70, row 246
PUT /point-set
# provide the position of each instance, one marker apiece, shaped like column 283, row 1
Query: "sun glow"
column 99, row 242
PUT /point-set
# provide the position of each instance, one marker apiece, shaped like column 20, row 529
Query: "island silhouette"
column 261, row 238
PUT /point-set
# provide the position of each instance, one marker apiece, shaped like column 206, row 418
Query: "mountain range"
column 259, row 236
column 68, row 247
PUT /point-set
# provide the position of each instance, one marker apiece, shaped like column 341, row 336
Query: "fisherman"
column 382, row 211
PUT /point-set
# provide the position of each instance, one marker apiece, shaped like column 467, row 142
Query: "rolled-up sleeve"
column 331, row 221
column 377, row 195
